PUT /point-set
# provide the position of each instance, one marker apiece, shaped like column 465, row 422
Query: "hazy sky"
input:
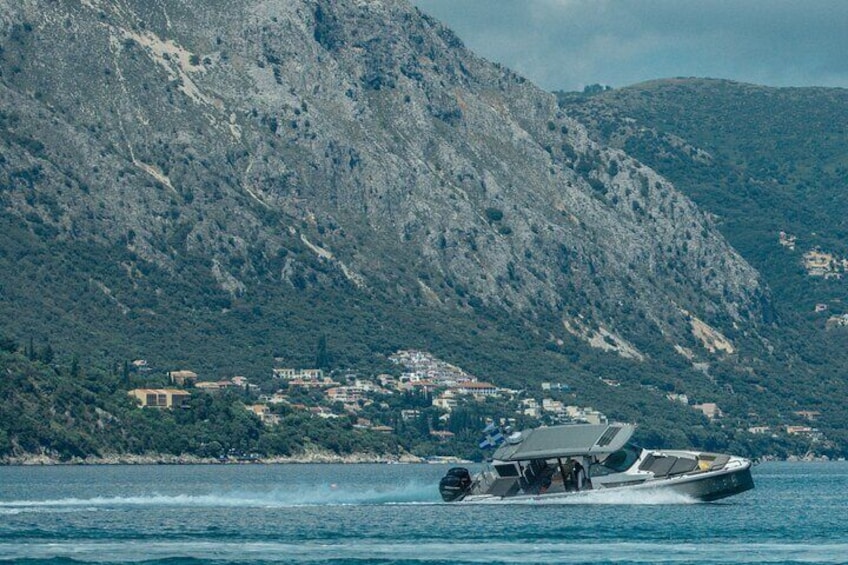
column 567, row 44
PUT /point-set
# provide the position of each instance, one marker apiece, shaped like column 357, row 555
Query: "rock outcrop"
column 362, row 133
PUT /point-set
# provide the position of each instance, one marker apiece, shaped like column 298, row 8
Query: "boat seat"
column 719, row 462
column 683, row 465
column 661, row 465
column 504, row 486
column 649, row 460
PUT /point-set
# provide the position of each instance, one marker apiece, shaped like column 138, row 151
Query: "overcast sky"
column 567, row 44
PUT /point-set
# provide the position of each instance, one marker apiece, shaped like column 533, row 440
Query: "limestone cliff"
column 361, row 132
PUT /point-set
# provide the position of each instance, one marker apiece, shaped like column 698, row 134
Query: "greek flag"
column 492, row 437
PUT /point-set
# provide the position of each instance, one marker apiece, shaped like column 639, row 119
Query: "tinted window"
column 506, row 470
column 623, row 459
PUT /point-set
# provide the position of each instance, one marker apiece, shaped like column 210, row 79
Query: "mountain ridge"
column 473, row 181
column 223, row 183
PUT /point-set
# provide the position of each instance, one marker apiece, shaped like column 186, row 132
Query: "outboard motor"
column 455, row 484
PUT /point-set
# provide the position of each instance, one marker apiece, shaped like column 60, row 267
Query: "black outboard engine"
column 455, row 484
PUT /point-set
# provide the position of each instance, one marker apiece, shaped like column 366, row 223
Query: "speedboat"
column 549, row 463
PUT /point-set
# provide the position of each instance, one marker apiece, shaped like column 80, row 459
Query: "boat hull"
column 713, row 486
column 705, row 486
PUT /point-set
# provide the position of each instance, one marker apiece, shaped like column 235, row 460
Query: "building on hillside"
column 161, row 397
column 476, row 389
column 678, row 397
column 821, row 264
column 709, row 409
column 800, row 430
column 811, row 415
column 445, row 401
column 345, row 394
column 182, row 378
column 242, row 382
column 264, row 413
column 442, row 435
column 322, row 412
column 422, row 386
column 422, row 365
column 788, row 240
column 585, row 414
column 363, row 424
column 593, row 417
column 530, row 407
column 387, row 381
column 369, row 387
column 551, row 405
column 302, row 374
column 277, row 398
column 323, row 382
column 213, row 386
column 837, row 321
column 409, row 414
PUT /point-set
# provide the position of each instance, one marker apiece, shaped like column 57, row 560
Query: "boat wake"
column 321, row 495
column 312, row 495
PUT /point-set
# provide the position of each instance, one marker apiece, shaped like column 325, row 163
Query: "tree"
column 47, row 354
column 8, row 344
column 322, row 356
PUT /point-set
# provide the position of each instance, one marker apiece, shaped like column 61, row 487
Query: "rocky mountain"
column 214, row 184
column 362, row 131
column 770, row 166
column 770, row 163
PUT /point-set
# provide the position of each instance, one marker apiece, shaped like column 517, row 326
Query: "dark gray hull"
column 713, row 486
column 707, row 487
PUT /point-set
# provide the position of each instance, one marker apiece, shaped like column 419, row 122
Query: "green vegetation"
column 68, row 411
column 762, row 161
column 47, row 409
column 58, row 315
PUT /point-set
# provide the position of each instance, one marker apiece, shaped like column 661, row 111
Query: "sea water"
column 798, row 513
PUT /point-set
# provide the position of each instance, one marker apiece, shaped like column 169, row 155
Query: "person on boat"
column 567, row 472
column 579, row 476
column 545, row 480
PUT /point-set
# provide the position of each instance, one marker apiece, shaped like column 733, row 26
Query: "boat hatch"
column 663, row 466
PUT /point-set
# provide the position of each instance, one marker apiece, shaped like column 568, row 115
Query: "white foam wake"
column 298, row 495
column 625, row 497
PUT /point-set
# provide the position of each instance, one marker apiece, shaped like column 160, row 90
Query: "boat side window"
column 507, row 470
column 616, row 462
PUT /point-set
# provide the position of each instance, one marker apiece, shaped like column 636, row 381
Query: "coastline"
column 312, row 456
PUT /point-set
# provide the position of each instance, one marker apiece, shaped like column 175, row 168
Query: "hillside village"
column 423, row 387
column 345, row 394
column 825, row 265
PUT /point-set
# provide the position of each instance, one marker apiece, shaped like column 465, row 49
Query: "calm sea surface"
column 798, row 513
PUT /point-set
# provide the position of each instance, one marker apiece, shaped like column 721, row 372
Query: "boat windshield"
column 617, row 462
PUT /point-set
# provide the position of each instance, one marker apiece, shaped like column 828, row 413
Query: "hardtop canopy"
column 565, row 441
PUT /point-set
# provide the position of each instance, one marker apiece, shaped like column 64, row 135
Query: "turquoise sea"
column 315, row 514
